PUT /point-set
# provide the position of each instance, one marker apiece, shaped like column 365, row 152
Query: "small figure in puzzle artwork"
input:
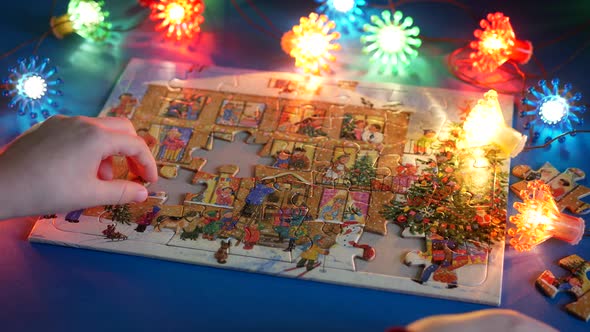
column 171, row 145
column 299, row 161
column 442, row 260
column 372, row 134
column 252, row 115
column 228, row 222
column 311, row 127
column 112, row 234
column 149, row 140
column 319, row 246
column 225, row 196
column 576, row 282
column 424, row 143
column 146, row 219
column 282, row 159
column 333, row 209
column 74, row 216
column 406, row 175
column 252, row 235
column 229, row 114
column 223, row 252
column 212, row 224
column 565, row 189
column 125, row 106
column 256, row 197
column 337, row 170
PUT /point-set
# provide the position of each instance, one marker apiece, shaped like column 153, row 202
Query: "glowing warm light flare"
column 181, row 19
column 391, row 41
column 498, row 44
column 310, row 43
column 87, row 18
column 539, row 219
column 485, row 125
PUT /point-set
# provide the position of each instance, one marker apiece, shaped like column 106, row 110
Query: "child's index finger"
column 133, row 147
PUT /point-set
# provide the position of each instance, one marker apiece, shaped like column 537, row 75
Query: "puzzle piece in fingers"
column 564, row 185
column 576, row 283
column 314, row 178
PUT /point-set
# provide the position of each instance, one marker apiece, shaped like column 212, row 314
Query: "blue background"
column 50, row 288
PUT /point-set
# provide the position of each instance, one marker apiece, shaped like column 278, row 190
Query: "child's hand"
column 65, row 164
column 491, row 320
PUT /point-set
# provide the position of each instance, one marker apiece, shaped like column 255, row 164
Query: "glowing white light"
column 175, row 13
column 34, row 87
column 88, row 13
column 343, row 6
column 553, row 110
column 392, row 39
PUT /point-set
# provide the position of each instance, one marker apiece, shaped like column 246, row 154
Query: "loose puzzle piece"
column 565, row 189
column 342, row 152
column 576, row 282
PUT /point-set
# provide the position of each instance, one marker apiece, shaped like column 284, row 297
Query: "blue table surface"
column 45, row 287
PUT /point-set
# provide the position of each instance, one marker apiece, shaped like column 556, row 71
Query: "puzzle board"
column 334, row 181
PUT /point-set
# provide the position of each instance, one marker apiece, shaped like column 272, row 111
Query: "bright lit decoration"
column 181, row 19
column 348, row 14
column 32, row 87
column 87, row 18
column 146, row 3
column 498, row 44
column 554, row 108
column 539, row 219
column 485, row 125
column 310, row 43
column 393, row 43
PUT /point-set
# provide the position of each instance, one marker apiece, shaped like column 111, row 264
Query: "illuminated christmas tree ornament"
column 485, row 125
column 347, row 14
column 32, row 87
column 497, row 44
column 181, row 19
column 87, row 18
column 392, row 43
column 554, row 109
column 539, row 219
column 310, row 43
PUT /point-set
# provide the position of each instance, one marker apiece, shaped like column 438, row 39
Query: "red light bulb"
column 498, row 44
column 181, row 19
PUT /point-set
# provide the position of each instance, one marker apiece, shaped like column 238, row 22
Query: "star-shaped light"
column 310, row 43
column 555, row 109
column 32, row 87
column 181, row 19
column 497, row 44
column 348, row 14
column 87, row 18
column 392, row 43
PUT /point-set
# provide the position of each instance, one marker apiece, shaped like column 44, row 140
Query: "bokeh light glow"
column 391, row 41
column 347, row 14
column 32, row 86
column 311, row 43
column 181, row 19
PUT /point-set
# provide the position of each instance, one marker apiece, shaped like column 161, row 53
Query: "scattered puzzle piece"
column 565, row 189
column 576, row 282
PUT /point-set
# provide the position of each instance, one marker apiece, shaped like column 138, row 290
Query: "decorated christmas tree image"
column 119, row 213
column 363, row 171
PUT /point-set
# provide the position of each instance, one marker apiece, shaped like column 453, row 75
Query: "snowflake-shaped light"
column 555, row 108
column 347, row 14
column 87, row 18
column 32, row 87
column 310, row 43
column 498, row 44
column 393, row 43
column 181, row 19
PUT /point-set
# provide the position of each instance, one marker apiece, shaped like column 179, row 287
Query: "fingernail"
column 141, row 195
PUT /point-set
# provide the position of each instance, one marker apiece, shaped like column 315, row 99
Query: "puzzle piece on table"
column 576, row 282
column 448, row 262
column 565, row 189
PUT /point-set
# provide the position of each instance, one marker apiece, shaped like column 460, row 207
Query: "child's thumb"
column 120, row 192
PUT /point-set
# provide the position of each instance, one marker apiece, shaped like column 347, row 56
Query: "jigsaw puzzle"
column 565, row 189
column 576, row 282
column 346, row 182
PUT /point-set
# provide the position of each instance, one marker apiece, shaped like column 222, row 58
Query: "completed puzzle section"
column 363, row 184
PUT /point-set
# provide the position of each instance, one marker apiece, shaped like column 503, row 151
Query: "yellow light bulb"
column 485, row 125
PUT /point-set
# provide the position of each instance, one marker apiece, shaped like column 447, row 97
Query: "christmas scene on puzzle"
column 362, row 184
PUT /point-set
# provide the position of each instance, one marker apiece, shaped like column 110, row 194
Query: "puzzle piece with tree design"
column 565, row 189
column 576, row 282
